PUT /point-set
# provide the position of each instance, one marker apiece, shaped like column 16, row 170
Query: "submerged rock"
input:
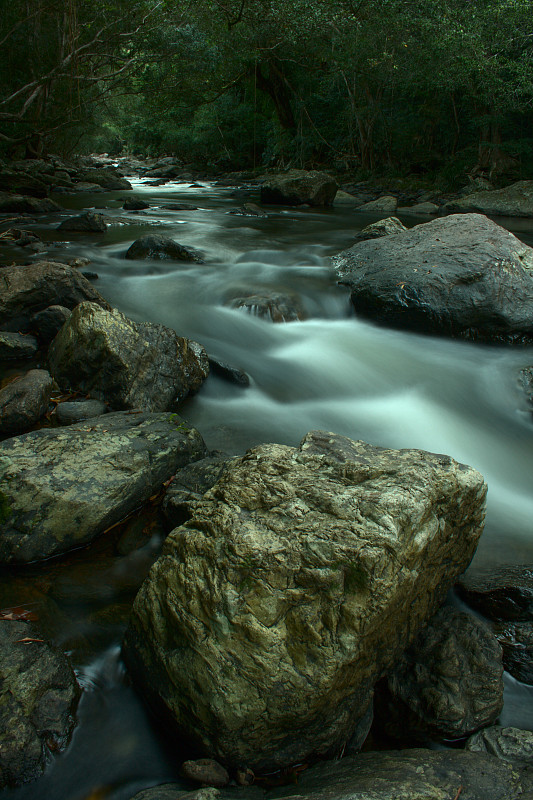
column 125, row 363
column 162, row 248
column 62, row 487
column 300, row 578
column 447, row 684
column 460, row 276
column 24, row 401
column 271, row 305
column 38, row 698
column 297, row 187
column 32, row 288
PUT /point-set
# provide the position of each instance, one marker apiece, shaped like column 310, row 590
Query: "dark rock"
column 516, row 639
column 18, row 204
column 83, row 186
column 24, row 401
column 48, row 322
column 504, row 593
column 70, row 412
column 21, row 183
column 135, row 204
column 297, row 187
column 300, row 577
column 124, row 363
column 180, row 207
column 173, row 791
column 91, row 276
column 383, row 227
column 407, row 775
column 447, row 684
column 271, row 305
column 38, row 698
column 108, row 178
column 229, row 373
column 17, row 345
column 461, row 276
column 162, row 247
column 249, row 210
column 86, row 223
column 24, row 291
column 206, row 771
column 512, row 201
column 62, row 487
column 190, row 483
column 20, row 237
column 167, row 172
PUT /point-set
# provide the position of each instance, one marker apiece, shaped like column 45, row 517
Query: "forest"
column 394, row 88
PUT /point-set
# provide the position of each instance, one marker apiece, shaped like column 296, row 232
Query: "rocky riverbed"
column 289, row 617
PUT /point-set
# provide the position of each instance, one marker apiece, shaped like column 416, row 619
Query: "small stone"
column 207, row 771
column 85, row 223
column 245, row 777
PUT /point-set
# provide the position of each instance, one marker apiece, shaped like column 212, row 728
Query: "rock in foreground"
column 61, row 487
column 461, row 276
column 125, row 363
column 299, row 579
column 38, row 697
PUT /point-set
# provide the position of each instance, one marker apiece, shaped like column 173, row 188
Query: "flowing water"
column 330, row 371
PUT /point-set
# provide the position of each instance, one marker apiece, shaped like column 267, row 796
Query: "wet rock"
column 516, row 639
column 271, row 305
column 135, row 204
column 461, row 276
column 25, row 401
column 48, row 322
column 83, row 186
column 190, row 483
column 38, row 698
column 408, row 775
column 504, row 593
column 62, row 487
column 19, row 204
column 512, row 201
column 162, row 248
column 301, row 576
column 17, row 345
column 173, row 791
column 249, row 210
column 180, row 207
column 32, row 288
column 447, row 684
column 229, row 373
column 525, row 381
column 383, row 227
column 386, row 203
column 70, row 412
column 20, row 237
column 206, row 771
column 297, row 187
column 85, row 223
column 125, row 363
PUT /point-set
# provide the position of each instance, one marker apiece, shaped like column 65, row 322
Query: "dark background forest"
column 395, row 88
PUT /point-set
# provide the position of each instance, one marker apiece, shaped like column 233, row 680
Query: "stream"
column 329, row 371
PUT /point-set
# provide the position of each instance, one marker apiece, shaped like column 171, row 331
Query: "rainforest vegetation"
column 389, row 87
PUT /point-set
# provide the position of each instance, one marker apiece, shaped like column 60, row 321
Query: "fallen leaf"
column 28, row 640
column 18, row 613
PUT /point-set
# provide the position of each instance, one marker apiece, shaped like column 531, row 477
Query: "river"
column 329, row 371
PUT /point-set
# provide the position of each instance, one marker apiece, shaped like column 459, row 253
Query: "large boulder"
column 125, row 363
column 461, row 276
column 297, row 187
column 32, row 288
column 38, row 699
column 20, row 204
column 21, row 182
column 85, row 223
column 448, row 683
column 108, row 178
column 297, row 582
column 61, row 487
column 513, row 201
